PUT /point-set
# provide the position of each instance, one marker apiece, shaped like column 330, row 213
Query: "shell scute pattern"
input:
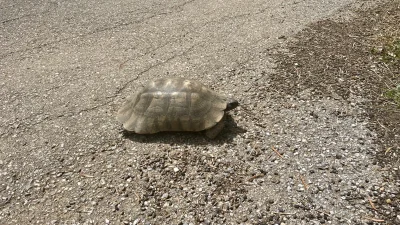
column 172, row 104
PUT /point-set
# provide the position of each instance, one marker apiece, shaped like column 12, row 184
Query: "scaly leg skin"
column 215, row 130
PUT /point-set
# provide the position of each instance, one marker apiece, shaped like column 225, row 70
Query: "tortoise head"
column 231, row 104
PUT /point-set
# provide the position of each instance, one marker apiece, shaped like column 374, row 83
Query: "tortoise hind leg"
column 215, row 130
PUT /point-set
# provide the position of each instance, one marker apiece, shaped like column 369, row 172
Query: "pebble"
column 165, row 196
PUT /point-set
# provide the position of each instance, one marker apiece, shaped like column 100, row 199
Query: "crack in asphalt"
column 97, row 30
column 18, row 18
column 119, row 90
column 27, row 125
column 69, row 114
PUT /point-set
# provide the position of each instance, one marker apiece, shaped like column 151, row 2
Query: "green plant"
column 390, row 51
column 394, row 94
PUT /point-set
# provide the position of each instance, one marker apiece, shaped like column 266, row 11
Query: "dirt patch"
column 347, row 60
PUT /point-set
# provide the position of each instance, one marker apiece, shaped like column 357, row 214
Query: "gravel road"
column 283, row 158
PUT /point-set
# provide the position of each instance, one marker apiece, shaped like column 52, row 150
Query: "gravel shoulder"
column 347, row 61
column 314, row 141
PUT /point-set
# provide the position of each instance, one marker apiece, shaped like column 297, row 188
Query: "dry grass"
column 340, row 60
column 386, row 42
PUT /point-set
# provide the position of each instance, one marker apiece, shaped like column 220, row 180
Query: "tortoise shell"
column 172, row 104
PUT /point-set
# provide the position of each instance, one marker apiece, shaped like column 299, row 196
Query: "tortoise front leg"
column 215, row 130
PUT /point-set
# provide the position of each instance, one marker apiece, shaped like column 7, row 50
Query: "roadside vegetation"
column 389, row 52
column 356, row 60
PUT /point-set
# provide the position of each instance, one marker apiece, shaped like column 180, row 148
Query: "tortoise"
column 175, row 104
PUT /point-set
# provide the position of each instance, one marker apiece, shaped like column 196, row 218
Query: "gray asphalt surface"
column 67, row 66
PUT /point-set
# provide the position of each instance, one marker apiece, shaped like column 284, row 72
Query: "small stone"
column 311, row 216
column 176, row 169
column 297, row 206
column 323, row 166
column 388, row 201
column 164, row 196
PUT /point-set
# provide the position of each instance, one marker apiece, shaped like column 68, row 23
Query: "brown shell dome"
column 172, row 104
